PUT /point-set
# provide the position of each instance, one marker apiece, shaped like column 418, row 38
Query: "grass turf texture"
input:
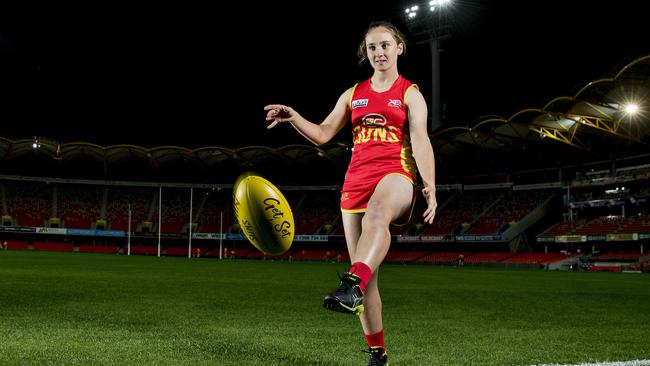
column 80, row 309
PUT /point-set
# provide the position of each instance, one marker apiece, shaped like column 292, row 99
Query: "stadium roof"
column 294, row 164
column 590, row 125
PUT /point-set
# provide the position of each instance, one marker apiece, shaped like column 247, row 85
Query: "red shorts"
column 354, row 198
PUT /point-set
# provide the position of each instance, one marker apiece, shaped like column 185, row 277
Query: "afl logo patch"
column 373, row 120
column 359, row 103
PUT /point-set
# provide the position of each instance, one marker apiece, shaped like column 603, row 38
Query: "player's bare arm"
column 317, row 134
column 422, row 150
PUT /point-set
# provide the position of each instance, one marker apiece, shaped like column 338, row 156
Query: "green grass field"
column 86, row 309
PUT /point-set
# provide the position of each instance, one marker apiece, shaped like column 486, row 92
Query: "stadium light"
column 431, row 26
column 412, row 11
column 631, row 108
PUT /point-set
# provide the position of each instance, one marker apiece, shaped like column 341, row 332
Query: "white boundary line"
column 607, row 363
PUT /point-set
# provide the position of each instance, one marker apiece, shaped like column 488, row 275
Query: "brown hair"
column 399, row 37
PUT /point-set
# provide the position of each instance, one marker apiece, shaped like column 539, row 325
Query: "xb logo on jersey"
column 394, row 103
column 373, row 120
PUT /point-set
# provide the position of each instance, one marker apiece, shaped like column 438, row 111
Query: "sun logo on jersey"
column 373, row 120
column 374, row 127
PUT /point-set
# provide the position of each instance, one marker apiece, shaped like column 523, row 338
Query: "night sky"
column 194, row 75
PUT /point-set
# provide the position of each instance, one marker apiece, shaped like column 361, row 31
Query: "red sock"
column 363, row 271
column 376, row 340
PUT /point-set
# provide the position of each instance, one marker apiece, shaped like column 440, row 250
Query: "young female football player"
column 389, row 125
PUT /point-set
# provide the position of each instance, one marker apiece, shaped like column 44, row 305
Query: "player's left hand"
column 430, row 195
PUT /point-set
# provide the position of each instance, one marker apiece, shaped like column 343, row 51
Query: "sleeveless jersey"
column 380, row 134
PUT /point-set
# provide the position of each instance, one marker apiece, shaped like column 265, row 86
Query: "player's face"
column 382, row 49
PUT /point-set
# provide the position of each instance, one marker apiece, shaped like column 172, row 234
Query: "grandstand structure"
column 561, row 186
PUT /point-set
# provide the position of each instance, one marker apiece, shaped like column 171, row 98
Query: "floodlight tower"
column 429, row 23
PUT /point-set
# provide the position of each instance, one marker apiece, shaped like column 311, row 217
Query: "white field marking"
column 608, row 363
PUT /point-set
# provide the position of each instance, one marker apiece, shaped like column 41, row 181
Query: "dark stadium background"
column 198, row 75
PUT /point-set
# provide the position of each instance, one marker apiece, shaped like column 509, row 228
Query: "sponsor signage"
column 311, row 237
column 570, row 238
column 546, row 239
column 214, row 236
column 432, row 237
column 622, row 237
column 51, row 230
column 18, row 229
column 235, row 237
column 478, row 237
column 88, row 232
column 422, row 238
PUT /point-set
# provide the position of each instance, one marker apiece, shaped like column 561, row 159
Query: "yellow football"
column 263, row 213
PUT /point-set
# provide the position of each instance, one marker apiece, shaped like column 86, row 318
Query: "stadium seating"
column 473, row 212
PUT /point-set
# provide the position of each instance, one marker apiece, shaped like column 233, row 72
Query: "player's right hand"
column 279, row 113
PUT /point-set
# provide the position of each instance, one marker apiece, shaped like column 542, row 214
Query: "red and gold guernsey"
column 381, row 141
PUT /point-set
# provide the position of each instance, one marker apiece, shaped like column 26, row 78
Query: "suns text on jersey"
column 363, row 134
